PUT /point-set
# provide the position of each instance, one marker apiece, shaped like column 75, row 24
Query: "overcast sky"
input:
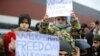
column 95, row 4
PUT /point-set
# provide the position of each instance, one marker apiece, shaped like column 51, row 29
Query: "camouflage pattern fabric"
column 53, row 30
column 75, row 30
column 43, row 27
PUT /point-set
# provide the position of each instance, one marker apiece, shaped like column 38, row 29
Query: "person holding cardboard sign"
column 9, row 38
column 60, row 28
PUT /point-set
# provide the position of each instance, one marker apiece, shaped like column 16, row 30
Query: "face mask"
column 61, row 25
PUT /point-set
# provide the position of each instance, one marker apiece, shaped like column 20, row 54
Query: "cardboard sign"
column 59, row 8
column 35, row 44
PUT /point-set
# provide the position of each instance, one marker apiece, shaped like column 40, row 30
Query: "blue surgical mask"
column 61, row 25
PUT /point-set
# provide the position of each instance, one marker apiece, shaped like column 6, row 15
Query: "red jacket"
column 7, row 40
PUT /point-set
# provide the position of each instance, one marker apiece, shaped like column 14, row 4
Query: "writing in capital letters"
column 35, row 44
column 59, row 8
column 52, row 2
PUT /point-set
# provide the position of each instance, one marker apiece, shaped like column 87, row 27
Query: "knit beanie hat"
column 23, row 17
column 96, row 38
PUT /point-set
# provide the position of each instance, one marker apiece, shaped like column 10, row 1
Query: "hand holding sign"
column 12, row 45
column 45, row 18
column 73, row 15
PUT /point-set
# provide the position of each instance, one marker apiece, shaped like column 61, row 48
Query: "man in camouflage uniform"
column 60, row 28
column 75, row 27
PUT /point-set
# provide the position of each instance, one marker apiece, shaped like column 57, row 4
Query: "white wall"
column 12, row 20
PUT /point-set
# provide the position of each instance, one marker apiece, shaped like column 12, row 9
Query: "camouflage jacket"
column 75, row 30
column 65, row 33
column 53, row 30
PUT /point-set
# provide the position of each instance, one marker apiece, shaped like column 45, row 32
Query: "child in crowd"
column 60, row 28
column 9, row 38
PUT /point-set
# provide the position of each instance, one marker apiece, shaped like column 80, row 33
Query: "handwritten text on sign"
column 35, row 44
column 59, row 8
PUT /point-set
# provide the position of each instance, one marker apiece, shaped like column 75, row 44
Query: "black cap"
column 24, row 16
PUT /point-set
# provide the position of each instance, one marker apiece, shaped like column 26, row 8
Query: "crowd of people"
column 76, row 39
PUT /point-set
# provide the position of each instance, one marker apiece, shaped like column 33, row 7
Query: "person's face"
column 98, row 27
column 92, row 25
column 24, row 25
column 60, row 20
column 96, row 44
column 63, row 53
